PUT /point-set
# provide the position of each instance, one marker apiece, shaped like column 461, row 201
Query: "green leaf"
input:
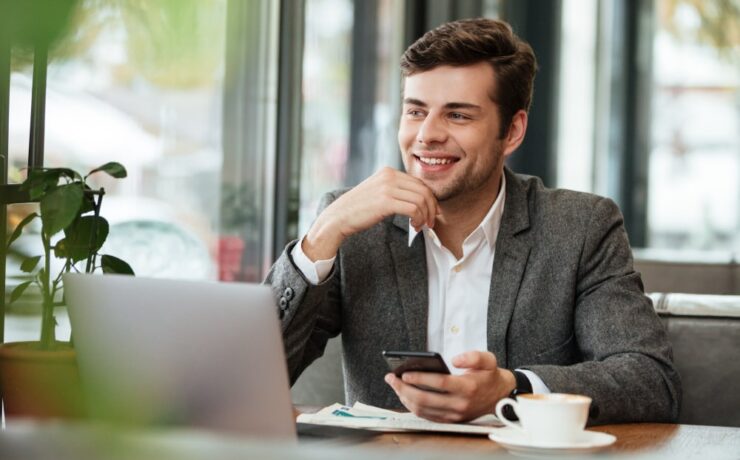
column 18, row 291
column 113, row 264
column 41, row 181
column 19, row 228
column 84, row 238
column 112, row 168
column 61, row 207
column 29, row 264
column 71, row 174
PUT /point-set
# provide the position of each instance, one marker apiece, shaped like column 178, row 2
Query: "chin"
column 443, row 196
column 442, row 193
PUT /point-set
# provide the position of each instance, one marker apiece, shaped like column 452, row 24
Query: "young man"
column 519, row 287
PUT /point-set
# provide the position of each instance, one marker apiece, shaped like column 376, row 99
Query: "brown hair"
column 470, row 41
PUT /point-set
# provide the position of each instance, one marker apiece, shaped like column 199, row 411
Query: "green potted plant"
column 40, row 378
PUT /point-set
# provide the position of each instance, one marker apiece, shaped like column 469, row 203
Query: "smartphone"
column 417, row 361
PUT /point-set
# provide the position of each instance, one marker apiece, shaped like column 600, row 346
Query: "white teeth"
column 435, row 161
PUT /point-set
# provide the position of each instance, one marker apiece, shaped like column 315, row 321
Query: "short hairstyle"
column 470, row 41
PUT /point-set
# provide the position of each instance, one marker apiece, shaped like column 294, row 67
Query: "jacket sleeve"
column 627, row 366
column 309, row 314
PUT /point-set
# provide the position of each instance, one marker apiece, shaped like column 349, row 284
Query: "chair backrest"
column 322, row 383
column 700, row 274
column 705, row 333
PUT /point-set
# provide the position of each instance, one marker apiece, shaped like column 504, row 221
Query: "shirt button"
column 456, row 268
column 454, row 329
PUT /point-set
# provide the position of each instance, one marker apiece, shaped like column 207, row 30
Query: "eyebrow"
column 449, row 105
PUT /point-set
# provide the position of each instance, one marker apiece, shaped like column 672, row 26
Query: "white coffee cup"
column 548, row 419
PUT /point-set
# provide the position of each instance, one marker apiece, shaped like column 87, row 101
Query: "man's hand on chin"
column 465, row 397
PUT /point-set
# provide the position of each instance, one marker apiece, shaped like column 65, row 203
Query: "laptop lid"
column 181, row 353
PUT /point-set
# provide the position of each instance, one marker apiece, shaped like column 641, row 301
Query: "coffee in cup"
column 547, row 419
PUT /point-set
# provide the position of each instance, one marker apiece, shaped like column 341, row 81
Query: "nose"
column 432, row 131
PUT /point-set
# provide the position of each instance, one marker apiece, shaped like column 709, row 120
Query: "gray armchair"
column 705, row 333
column 322, row 383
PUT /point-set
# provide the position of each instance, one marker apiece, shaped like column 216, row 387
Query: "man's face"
column 449, row 131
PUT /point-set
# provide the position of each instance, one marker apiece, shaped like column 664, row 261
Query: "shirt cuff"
column 538, row 386
column 314, row 272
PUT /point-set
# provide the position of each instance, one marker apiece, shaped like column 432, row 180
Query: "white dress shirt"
column 458, row 289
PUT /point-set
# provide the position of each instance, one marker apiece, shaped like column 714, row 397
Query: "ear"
column 515, row 135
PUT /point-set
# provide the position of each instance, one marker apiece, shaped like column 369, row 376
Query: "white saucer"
column 516, row 442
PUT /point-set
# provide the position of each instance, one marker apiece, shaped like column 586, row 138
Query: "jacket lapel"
column 510, row 260
column 412, row 280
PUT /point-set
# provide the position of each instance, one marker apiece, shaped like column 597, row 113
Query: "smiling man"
column 520, row 288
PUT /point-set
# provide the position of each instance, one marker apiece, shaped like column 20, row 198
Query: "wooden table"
column 653, row 439
column 74, row 441
column 664, row 440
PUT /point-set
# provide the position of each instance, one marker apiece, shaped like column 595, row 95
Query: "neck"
column 461, row 215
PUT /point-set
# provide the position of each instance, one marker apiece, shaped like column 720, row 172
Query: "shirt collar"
column 490, row 223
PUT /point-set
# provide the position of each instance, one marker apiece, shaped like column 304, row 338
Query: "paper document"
column 374, row 418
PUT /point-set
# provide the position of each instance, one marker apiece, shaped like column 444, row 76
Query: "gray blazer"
column 564, row 302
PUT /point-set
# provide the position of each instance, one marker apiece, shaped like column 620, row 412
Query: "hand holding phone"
column 416, row 361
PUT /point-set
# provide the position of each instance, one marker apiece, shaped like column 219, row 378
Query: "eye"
column 459, row 116
column 415, row 113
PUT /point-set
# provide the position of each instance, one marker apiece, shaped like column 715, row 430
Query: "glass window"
column 327, row 86
column 147, row 84
column 575, row 159
column 139, row 83
column 326, row 97
column 694, row 191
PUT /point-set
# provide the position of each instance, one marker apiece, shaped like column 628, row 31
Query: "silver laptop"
column 181, row 353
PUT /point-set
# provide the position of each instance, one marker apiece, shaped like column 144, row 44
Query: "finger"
column 396, row 384
column 451, row 384
column 417, row 395
column 439, row 407
column 443, row 382
column 390, row 186
column 397, row 179
column 475, row 360
column 418, row 200
column 417, row 186
column 433, row 406
column 430, row 201
column 413, row 389
column 411, row 210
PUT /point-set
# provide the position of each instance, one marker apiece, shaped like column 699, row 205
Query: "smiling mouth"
column 436, row 161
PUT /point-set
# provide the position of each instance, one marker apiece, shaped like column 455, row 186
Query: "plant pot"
column 40, row 383
column 230, row 251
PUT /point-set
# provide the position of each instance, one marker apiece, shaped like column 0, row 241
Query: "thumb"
column 482, row 360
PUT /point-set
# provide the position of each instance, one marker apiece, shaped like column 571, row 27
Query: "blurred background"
column 233, row 117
